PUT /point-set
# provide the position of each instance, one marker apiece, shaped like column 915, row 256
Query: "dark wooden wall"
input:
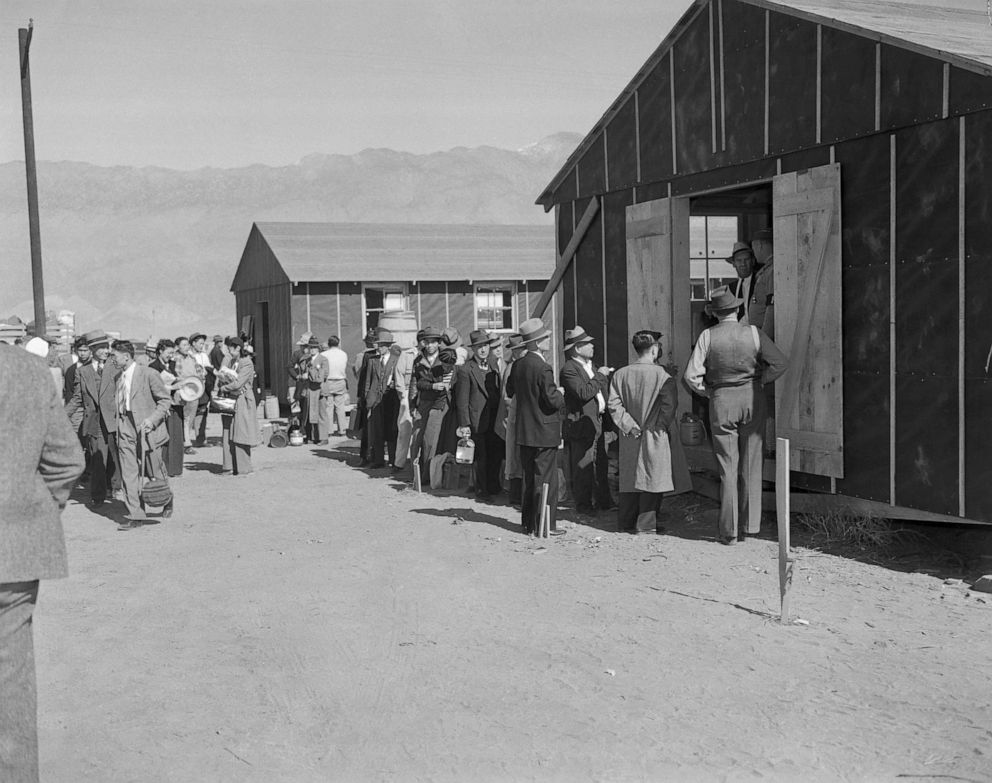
column 904, row 138
column 278, row 298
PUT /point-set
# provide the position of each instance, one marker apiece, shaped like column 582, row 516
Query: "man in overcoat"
column 93, row 400
column 586, row 389
column 142, row 407
column 477, row 393
column 382, row 401
column 538, row 424
column 40, row 460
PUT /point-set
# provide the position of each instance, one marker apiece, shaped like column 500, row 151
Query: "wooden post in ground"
column 416, row 476
column 782, row 489
column 544, row 518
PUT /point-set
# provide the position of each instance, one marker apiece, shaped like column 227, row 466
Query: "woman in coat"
column 240, row 427
column 172, row 454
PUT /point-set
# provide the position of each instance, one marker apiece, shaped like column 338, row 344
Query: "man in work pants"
column 40, row 460
column 730, row 364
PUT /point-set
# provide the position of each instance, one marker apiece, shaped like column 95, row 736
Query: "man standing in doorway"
column 586, row 390
column 761, row 304
column 538, row 424
column 746, row 267
column 730, row 364
column 142, row 407
column 40, row 460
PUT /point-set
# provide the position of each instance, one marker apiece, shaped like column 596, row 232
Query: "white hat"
column 38, row 346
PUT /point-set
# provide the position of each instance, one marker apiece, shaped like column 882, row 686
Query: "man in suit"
column 93, row 401
column 382, row 401
column 586, row 392
column 40, row 460
column 360, row 369
column 538, row 424
column 142, row 403
column 477, row 393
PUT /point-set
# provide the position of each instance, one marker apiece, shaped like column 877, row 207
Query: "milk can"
column 691, row 430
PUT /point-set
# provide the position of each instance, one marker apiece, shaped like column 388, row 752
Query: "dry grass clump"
column 861, row 531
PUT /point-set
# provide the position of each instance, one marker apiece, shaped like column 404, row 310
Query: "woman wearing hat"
column 240, row 428
column 729, row 365
column 429, row 399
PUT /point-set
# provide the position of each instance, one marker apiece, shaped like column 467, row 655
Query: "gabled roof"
column 960, row 36
column 371, row 252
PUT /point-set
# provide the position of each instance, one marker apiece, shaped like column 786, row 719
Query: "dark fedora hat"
column 532, row 330
column 577, row 336
column 763, row 234
column 450, row 337
column 479, row 338
column 430, row 333
column 313, row 342
column 722, row 299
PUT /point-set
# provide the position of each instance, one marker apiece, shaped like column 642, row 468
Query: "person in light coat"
column 240, row 428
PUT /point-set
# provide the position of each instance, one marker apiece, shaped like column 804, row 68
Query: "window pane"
column 394, row 302
column 697, row 237
column 373, row 298
column 722, row 235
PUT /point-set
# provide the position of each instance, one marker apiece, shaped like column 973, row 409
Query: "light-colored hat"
column 304, row 338
column 38, row 346
column 384, row 337
column 532, row 330
column 96, row 338
column 577, row 336
column 741, row 247
column 190, row 388
column 450, row 337
column 722, row 299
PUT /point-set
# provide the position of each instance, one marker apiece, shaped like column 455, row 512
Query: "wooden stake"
column 544, row 518
column 782, row 489
column 416, row 476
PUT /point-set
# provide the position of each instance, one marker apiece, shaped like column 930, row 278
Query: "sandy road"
column 314, row 623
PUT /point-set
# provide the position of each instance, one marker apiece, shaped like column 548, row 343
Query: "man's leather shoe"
column 167, row 512
column 130, row 524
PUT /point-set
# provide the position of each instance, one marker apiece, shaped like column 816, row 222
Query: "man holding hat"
column 730, row 364
column 382, row 401
column 477, row 392
column 586, row 390
column 538, row 424
column 94, row 398
column 643, row 401
column 428, row 399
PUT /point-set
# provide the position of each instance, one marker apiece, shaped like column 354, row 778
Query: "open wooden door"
column 658, row 278
column 809, row 397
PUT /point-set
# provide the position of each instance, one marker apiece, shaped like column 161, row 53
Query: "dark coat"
column 532, row 384
column 40, row 460
column 477, row 393
column 96, row 396
column 377, row 378
column 582, row 418
column 423, row 395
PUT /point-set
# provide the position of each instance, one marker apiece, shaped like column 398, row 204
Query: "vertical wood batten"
column 309, row 329
column 892, row 319
column 637, row 134
column 819, row 83
column 961, row 309
column 767, row 76
column 946, row 102
column 575, row 276
column 671, row 84
column 602, row 251
column 878, row 86
column 337, row 307
column 606, row 161
column 723, row 84
column 447, row 310
column 712, row 82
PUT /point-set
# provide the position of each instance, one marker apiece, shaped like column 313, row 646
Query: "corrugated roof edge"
column 544, row 199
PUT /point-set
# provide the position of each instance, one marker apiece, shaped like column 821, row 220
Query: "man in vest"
column 730, row 364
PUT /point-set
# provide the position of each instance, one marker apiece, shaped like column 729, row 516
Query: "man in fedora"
column 761, row 302
column 382, row 401
column 730, row 364
column 142, row 403
column 748, row 269
column 477, row 391
column 93, row 400
column 506, row 419
column 538, row 424
column 428, row 399
column 586, row 390
column 360, row 370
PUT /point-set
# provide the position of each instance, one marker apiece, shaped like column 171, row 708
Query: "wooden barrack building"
column 860, row 131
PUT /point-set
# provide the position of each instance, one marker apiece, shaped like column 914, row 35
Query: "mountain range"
column 153, row 251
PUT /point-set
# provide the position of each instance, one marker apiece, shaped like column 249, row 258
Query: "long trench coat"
column 244, row 421
column 645, row 395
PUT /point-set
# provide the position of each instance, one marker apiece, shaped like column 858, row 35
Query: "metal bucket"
column 272, row 407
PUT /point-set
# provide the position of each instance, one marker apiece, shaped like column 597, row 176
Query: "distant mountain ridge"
column 119, row 242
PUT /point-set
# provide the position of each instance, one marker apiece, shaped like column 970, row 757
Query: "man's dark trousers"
column 540, row 466
column 18, row 691
column 489, row 451
column 590, row 468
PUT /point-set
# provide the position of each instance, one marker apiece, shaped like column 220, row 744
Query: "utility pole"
column 37, row 281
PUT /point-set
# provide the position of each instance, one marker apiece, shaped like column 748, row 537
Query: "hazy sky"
column 190, row 83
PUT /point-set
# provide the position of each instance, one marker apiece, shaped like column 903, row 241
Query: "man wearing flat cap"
column 586, row 389
column 730, row 364
column 94, row 398
column 538, row 424
column 477, row 392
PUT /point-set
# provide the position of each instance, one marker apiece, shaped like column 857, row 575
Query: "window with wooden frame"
column 494, row 310
column 382, row 299
column 711, row 240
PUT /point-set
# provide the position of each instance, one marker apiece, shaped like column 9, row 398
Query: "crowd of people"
column 494, row 401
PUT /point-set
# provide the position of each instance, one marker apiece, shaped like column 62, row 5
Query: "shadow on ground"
column 465, row 514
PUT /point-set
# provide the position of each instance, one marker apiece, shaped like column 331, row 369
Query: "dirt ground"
column 317, row 622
